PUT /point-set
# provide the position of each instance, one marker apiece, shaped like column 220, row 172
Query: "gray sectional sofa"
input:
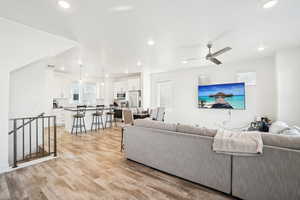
column 186, row 152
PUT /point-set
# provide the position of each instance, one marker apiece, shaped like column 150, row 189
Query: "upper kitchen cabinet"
column 120, row 86
column 134, row 84
column 60, row 86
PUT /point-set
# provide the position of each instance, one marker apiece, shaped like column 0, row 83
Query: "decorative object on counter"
column 110, row 117
column 78, row 120
column 261, row 125
column 97, row 121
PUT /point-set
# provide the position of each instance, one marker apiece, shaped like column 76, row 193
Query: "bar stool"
column 110, row 117
column 97, row 121
column 78, row 119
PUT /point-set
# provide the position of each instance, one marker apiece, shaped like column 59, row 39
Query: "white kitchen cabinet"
column 120, row 86
column 126, row 85
column 133, row 84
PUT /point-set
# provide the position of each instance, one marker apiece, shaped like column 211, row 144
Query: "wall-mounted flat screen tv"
column 222, row 96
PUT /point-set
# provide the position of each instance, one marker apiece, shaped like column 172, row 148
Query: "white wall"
column 260, row 99
column 4, row 107
column 288, row 68
column 21, row 45
column 28, row 94
column 146, row 88
column 108, row 91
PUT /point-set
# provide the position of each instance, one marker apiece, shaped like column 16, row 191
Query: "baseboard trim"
column 28, row 164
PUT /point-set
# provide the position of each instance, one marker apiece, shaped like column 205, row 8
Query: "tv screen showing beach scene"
column 222, row 96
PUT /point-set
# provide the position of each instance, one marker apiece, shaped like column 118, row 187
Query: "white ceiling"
column 22, row 45
column 115, row 41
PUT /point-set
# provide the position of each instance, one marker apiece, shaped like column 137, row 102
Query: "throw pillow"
column 278, row 127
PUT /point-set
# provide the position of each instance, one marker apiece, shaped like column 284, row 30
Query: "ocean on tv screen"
column 222, row 96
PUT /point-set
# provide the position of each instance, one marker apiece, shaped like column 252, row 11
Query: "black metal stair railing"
column 33, row 138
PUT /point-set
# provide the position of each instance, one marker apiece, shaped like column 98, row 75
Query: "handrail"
column 36, row 138
column 31, row 120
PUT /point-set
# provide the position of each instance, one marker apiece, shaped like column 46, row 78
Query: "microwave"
column 121, row 96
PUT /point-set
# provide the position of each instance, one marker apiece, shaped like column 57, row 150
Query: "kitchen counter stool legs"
column 78, row 123
column 78, row 120
column 110, row 119
column 97, row 122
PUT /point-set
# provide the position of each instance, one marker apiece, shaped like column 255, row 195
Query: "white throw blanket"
column 238, row 143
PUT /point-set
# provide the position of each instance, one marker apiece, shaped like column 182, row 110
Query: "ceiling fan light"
column 261, row 48
column 64, row 4
column 150, row 42
column 269, row 4
column 184, row 62
column 122, row 8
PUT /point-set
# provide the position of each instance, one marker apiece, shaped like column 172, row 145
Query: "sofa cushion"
column 297, row 128
column 278, row 127
column 292, row 131
column 284, row 141
column 154, row 124
column 196, row 130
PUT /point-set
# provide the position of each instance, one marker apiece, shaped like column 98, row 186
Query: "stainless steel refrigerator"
column 134, row 98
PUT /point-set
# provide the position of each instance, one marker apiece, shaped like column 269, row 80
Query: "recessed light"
column 184, row 62
column 261, row 48
column 62, row 69
column 150, row 42
column 86, row 74
column 139, row 63
column 102, row 84
column 270, row 4
column 122, row 8
column 80, row 62
column 64, row 4
column 106, row 75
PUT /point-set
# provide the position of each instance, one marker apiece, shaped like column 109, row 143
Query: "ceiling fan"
column 212, row 56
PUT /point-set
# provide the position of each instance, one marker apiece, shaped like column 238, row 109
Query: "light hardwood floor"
column 91, row 166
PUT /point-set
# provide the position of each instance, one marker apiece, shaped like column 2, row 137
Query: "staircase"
column 33, row 138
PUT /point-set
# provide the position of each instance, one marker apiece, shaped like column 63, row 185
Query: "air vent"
column 51, row 66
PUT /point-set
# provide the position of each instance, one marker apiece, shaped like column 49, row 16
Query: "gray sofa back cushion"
column 196, row 130
column 154, row 124
column 284, row 141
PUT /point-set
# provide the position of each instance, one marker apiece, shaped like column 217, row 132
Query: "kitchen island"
column 71, row 111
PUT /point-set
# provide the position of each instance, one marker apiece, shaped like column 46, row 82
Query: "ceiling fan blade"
column 194, row 59
column 221, row 51
column 214, row 60
column 191, row 46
